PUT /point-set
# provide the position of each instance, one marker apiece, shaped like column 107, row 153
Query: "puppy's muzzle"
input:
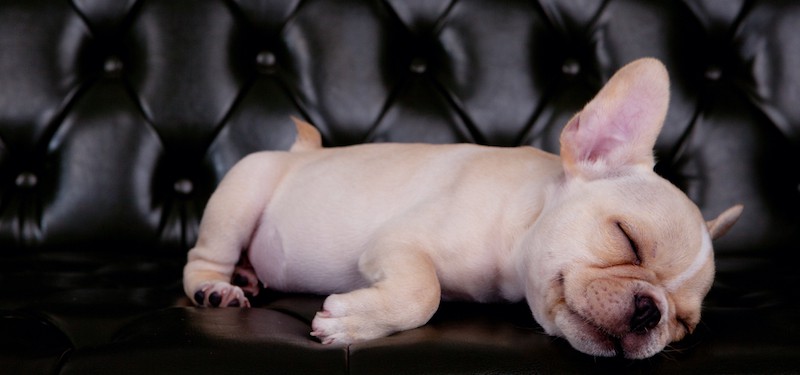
column 646, row 314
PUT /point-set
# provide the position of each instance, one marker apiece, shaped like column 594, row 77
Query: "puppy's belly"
column 301, row 264
column 327, row 210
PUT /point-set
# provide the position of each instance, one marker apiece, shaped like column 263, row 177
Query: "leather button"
column 112, row 65
column 571, row 67
column 183, row 186
column 418, row 65
column 266, row 61
column 713, row 72
column 26, row 180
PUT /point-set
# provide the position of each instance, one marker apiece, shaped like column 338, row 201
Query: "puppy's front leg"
column 230, row 218
column 404, row 294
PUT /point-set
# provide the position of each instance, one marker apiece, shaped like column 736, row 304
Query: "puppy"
column 607, row 254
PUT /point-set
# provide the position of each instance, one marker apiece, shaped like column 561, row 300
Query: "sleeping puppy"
column 607, row 254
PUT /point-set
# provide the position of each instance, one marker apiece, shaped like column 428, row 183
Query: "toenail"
column 200, row 297
column 234, row 303
column 215, row 299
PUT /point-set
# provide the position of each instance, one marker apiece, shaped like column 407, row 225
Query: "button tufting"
column 183, row 186
column 112, row 65
column 26, row 180
column 713, row 72
column 571, row 67
column 418, row 65
column 266, row 61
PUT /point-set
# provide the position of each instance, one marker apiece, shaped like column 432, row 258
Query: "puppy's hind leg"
column 244, row 276
column 231, row 216
column 405, row 293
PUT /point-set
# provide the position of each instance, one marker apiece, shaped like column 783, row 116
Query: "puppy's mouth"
column 604, row 343
column 596, row 340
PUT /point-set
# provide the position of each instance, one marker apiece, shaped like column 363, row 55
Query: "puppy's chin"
column 595, row 340
column 585, row 336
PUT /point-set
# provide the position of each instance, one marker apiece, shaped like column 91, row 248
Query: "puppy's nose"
column 645, row 314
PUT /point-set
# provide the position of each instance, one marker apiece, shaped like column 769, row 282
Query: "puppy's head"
column 627, row 256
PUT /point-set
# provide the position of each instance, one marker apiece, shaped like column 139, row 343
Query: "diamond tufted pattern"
column 118, row 118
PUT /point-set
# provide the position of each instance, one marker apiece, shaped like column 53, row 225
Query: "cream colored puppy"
column 608, row 254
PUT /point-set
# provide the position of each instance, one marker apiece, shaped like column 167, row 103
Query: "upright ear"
column 619, row 127
column 719, row 226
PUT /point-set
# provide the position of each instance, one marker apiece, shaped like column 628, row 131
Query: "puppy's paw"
column 341, row 322
column 330, row 330
column 219, row 294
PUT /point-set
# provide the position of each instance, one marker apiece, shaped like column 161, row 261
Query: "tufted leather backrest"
column 117, row 118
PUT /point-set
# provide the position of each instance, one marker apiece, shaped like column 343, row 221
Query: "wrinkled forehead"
column 697, row 261
column 678, row 237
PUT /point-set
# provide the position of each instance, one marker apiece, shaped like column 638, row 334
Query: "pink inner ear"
column 595, row 144
column 621, row 135
column 607, row 137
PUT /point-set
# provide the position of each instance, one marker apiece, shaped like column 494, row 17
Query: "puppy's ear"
column 308, row 138
column 719, row 226
column 618, row 128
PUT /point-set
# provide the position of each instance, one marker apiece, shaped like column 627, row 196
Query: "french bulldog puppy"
column 607, row 254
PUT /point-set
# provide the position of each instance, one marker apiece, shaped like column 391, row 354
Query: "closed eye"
column 632, row 243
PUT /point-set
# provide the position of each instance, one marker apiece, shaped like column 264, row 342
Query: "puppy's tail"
column 308, row 138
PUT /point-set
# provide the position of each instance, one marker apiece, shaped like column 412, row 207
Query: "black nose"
column 645, row 314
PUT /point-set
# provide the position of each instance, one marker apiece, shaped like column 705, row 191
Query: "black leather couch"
column 118, row 117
